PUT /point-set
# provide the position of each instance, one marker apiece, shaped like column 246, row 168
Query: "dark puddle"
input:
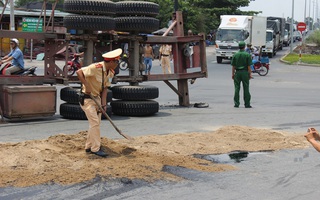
column 232, row 157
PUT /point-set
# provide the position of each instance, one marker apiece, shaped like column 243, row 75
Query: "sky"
column 283, row 8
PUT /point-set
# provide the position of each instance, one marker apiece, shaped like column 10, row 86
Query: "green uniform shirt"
column 241, row 60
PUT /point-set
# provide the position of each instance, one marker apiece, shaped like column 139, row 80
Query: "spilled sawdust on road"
column 61, row 158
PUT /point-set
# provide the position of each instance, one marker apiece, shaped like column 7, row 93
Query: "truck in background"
column 236, row 28
column 272, row 38
column 282, row 27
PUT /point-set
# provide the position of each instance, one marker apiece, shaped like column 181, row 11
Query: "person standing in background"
column 241, row 72
column 165, row 57
column 148, row 58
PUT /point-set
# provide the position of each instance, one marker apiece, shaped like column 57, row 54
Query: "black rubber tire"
column 74, row 111
column 123, row 65
column 89, row 22
column 99, row 7
column 70, row 70
column 137, row 24
column 201, row 105
column 71, row 95
column 135, row 93
column 263, row 71
column 137, row 8
column 219, row 59
column 134, row 108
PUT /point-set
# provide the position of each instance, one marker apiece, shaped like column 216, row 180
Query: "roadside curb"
column 296, row 63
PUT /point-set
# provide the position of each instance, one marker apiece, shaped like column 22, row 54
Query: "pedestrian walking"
column 95, row 80
column 241, row 73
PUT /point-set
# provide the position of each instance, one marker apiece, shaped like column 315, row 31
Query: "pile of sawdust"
column 62, row 159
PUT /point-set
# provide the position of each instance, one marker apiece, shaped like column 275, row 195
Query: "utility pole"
column 12, row 24
column 291, row 46
column 309, row 15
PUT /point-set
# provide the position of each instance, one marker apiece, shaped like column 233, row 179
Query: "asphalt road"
column 286, row 99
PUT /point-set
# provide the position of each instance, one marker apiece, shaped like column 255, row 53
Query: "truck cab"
column 227, row 42
column 271, row 45
column 236, row 28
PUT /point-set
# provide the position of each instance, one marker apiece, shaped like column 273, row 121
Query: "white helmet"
column 15, row 41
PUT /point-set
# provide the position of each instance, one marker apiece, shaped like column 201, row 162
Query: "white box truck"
column 236, row 28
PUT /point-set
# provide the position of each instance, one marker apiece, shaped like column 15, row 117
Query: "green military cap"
column 242, row 44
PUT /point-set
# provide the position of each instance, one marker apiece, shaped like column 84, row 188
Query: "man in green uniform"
column 241, row 72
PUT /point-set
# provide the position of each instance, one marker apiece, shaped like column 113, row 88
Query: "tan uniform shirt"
column 93, row 75
column 165, row 50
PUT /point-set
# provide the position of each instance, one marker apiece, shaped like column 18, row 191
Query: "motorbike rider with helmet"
column 15, row 56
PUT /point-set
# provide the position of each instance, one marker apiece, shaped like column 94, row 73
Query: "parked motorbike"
column 28, row 71
column 260, row 65
column 72, row 65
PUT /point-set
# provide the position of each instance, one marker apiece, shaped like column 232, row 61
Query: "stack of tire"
column 135, row 17
column 71, row 108
column 134, row 100
column 90, row 15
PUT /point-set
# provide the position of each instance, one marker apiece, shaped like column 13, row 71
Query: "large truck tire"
column 141, row 92
column 99, row 7
column 134, row 108
column 137, row 24
column 137, row 8
column 89, row 22
column 71, row 95
column 74, row 111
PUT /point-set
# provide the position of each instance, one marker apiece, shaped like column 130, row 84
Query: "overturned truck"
column 36, row 96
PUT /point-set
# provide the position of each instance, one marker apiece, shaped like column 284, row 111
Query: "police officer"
column 95, row 80
column 241, row 72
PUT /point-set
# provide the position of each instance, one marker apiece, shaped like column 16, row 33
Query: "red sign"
column 301, row 26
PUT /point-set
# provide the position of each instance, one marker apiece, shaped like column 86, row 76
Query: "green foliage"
column 314, row 38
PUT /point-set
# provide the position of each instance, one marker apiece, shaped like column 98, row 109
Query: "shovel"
column 107, row 116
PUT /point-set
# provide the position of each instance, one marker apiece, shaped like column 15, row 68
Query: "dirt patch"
column 62, row 159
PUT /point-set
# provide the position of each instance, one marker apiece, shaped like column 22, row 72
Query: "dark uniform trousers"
column 241, row 75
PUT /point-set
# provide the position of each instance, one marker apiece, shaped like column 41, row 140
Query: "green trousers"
column 241, row 76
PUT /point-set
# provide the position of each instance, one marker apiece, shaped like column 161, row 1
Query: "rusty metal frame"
column 55, row 42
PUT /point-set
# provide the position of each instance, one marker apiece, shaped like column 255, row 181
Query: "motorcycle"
column 123, row 64
column 23, row 72
column 72, row 65
column 260, row 65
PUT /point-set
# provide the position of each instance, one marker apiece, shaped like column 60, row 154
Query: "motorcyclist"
column 15, row 56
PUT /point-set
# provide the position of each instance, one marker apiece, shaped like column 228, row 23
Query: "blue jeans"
column 148, row 63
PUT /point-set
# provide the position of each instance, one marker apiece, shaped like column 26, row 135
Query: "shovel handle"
column 109, row 119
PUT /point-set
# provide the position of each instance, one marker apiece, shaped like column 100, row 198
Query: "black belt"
column 164, row 55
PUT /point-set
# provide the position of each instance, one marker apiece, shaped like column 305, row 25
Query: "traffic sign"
column 30, row 24
column 301, row 26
